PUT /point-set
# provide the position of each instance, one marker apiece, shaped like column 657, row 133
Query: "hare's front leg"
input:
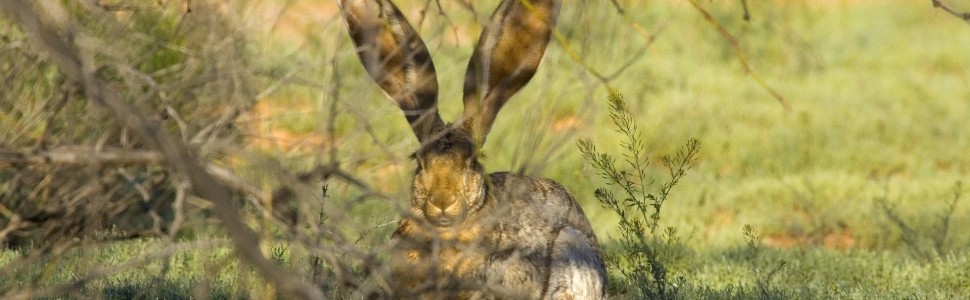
column 408, row 274
column 436, row 270
column 516, row 273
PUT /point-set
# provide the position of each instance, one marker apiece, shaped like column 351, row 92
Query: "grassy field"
column 853, row 187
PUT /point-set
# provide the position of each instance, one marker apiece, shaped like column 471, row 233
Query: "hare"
column 468, row 234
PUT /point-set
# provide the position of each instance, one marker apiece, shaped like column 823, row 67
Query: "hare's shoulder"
column 547, row 244
column 539, row 200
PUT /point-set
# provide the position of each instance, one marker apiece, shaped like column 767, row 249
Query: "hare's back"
column 539, row 207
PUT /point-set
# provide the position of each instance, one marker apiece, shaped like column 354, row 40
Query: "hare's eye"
column 420, row 192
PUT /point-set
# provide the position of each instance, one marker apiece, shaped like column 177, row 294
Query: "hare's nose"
column 442, row 205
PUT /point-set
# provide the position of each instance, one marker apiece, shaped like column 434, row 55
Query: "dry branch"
column 962, row 15
column 80, row 157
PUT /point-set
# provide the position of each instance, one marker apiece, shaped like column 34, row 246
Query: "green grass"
column 880, row 103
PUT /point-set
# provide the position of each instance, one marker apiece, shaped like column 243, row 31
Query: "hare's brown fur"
column 503, row 248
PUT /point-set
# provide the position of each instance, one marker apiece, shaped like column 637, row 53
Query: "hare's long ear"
column 508, row 54
column 396, row 58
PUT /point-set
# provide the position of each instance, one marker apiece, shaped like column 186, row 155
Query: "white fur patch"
column 576, row 272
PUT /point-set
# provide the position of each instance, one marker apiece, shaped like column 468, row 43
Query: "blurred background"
column 836, row 130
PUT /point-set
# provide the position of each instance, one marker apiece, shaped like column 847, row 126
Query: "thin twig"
column 602, row 78
column 962, row 15
column 14, row 221
column 178, row 207
column 574, row 55
column 747, row 13
column 334, row 95
column 737, row 52
column 633, row 23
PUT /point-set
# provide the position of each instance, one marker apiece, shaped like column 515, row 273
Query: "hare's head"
column 450, row 182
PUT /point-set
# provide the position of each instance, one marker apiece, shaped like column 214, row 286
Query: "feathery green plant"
column 645, row 272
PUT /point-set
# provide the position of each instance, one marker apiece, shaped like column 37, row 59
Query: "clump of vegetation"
column 69, row 169
column 764, row 269
column 638, row 205
column 925, row 243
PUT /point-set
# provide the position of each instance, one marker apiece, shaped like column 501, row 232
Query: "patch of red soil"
column 566, row 124
column 841, row 239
